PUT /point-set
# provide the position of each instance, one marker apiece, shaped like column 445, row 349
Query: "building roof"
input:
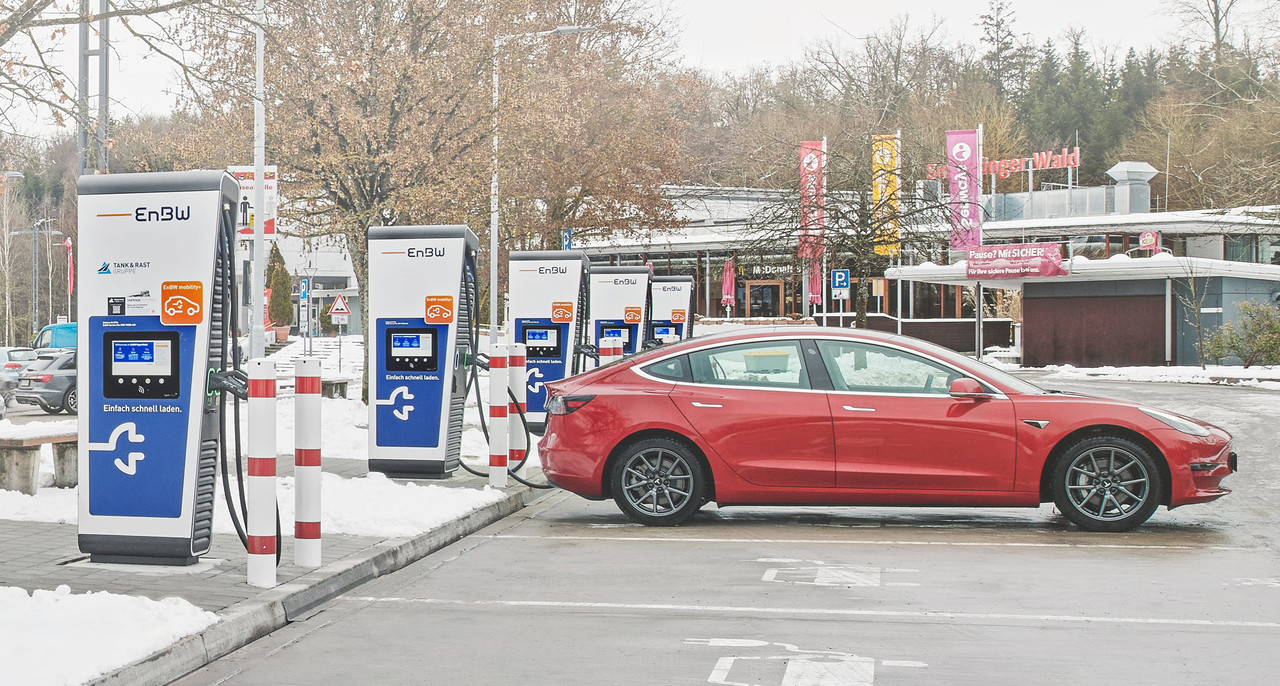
column 323, row 257
column 1114, row 268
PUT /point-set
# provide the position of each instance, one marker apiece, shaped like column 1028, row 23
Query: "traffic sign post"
column 340, row 314
column 840, row 286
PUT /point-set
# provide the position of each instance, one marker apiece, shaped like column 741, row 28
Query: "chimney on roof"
column 1133, row 186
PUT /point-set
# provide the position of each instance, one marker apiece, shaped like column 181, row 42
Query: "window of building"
column 1240, row 249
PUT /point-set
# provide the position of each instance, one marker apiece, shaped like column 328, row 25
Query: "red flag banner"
column 813, row 163
column 729, row 282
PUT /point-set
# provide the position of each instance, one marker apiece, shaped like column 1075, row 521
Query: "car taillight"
column 12, row 365
column 45, row 378
column 566, row 404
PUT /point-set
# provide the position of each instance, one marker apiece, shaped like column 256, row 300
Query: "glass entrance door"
column 764, row 298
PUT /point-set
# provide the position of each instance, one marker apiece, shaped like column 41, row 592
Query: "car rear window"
column 42, row 363
column 22, row 355
column 674, row 369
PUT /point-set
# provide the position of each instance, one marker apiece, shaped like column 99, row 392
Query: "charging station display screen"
column 543, row 341
column 411, row 344
column 146, row 358
column 664, row 331
column 611, row 332
column 411, row 350
column 140, row 365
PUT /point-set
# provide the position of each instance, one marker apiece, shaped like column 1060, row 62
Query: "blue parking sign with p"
column 839, row 278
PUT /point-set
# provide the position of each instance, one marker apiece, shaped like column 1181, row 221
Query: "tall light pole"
column 8, row 312
column 257, row 331
column 35, row 268
column 494, row 309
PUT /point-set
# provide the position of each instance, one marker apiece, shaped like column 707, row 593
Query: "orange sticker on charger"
column 181, row 303
column 631, row 315
column 439, row 309
column 561, row 312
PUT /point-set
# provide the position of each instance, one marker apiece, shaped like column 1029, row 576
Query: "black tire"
column 1107, row 483
column 70, row 402
column 50, row 410
column 658, row 482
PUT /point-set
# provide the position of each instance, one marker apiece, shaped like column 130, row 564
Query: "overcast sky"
column 720, row 35
column 735, row 35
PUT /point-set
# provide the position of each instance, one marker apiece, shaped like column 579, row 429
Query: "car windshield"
column 1001, row 377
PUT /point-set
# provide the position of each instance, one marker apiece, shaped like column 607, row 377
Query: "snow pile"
column 53, row 505
column 372, row 506
column 37, row 429
column 56, row 637
column 1260, row 377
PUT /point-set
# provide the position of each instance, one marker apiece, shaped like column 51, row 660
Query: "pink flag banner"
column 729, row 282
column 1016, row 260
column 963, row 162
column 815, row 286
column 813, row 162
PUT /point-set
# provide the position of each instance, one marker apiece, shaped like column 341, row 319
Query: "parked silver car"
column 12, row 361
column 50, row 382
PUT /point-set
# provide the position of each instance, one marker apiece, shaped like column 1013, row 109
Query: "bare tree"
column 35, row 34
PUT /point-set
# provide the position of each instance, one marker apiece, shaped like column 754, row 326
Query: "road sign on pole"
column 566, row 239
column 339, row 306
column 839, row 279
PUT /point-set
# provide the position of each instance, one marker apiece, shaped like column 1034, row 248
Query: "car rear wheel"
column 51, row 409
column 69, row 402
column 1107, row 483
column 658, row 482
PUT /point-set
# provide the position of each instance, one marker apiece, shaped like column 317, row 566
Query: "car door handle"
column 698, row 404
column 851, row 408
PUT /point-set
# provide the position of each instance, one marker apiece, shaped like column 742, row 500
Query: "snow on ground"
column 105, row 629
column 1261, row 377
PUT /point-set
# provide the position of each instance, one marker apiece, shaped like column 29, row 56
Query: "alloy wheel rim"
column 657, row 482
column 1108, row 484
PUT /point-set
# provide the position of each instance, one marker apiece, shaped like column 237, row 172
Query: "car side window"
column 674, row 369
column 70, row 363
column 767, row 364
column 867, row 368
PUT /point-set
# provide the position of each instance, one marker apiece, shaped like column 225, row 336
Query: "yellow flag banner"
column 884, row 191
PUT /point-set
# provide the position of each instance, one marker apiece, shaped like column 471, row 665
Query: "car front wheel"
column 658, row 482
column 1107, row 483
column 69, row 402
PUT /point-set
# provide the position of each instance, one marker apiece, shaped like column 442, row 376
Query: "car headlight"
column 1186, row 426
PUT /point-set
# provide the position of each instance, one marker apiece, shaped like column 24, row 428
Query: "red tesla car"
column 803, row 415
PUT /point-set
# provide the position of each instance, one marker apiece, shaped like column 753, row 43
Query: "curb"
column 251, row 619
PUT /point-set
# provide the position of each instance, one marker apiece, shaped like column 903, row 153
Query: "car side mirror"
column 968, row 388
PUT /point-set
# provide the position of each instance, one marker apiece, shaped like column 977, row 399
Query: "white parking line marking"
column 799, row 541
column 832, row 612
column 835, row 575
column 902, row 663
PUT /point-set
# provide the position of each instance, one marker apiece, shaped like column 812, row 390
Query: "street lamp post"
column 8, row 311
column 35, row 269
column 494, row 309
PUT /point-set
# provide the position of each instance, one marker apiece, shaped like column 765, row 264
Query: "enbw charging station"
column 156, row 256
column 422, row 298
column 620, row 305
column 548, row 306
column 672, row 299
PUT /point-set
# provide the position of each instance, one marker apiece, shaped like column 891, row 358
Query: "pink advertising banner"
column 812, row 186
column 1015, row 260
column 963, row 159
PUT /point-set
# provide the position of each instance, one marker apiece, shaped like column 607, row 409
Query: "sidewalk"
column 36, row 555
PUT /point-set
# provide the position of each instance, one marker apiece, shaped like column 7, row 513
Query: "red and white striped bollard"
column 518, row 445
column 260, row 487
column 498, row 415
column 306, row 463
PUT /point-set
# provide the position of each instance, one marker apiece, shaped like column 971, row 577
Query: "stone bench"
column 20, row 462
